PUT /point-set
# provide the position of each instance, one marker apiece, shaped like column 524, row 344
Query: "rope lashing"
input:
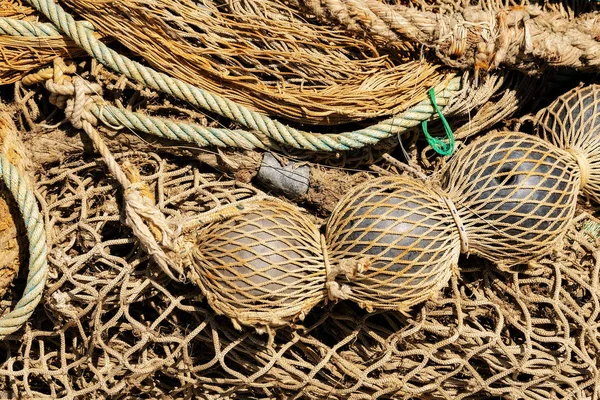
column 583, row 163
column 443, row 148
column 464, row 239
column 36, row 235
column 274, row 130
column 147, row 222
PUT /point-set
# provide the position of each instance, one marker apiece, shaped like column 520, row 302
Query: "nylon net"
column 356, row 289
column 261, row 263
column 112, row 324
column 572, row 122
column 402, row 233
column 516, row 195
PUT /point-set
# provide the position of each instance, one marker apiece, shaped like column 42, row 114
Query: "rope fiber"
column 38, row 266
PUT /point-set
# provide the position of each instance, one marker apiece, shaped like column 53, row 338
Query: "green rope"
column 591, row 228
column 82, row 34
column 443, row 148
column 36, row 234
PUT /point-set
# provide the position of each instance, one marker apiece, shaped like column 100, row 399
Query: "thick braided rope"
column 275, row 130
column 38, row 266
column 17, row 27
column 520, row 37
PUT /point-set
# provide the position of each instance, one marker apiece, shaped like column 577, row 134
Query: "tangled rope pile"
column 521, row 37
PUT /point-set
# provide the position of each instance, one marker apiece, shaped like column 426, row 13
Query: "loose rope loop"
column 441, row 147
column 36, row 234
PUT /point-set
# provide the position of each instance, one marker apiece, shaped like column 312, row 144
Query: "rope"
column 584, row 165
column 273, row 129
column 462, row 232
column 203, row 136
column 17, row 27
column 441, row 147
column 524, row 38
column 38, row 267
column 76, row 97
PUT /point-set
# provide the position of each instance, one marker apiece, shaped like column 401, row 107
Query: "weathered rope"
column 147, row 222
column 38, row 267
column 583, row 163
column 462, row 232
column 83, row 36
column 203, row 136
column 18, row 27
column 519, row 37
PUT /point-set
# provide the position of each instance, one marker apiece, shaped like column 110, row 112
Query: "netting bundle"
column 261, row 264
column 515, row 195
column 508, row 197
column 572, row 122
column 111, row 326
column 394, row 240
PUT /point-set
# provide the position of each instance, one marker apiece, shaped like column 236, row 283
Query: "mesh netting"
column 515, row 193
column 402, row 233
column 261, row 263
column 572, row 122
column 111, row 324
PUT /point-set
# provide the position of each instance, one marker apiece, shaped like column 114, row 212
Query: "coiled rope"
column 38, row 266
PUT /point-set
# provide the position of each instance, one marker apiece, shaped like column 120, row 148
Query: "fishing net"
column 177, row 266
column 572, row 122
column 261, row 263
column 394, row 242
column 113, row 325
column 515, row 195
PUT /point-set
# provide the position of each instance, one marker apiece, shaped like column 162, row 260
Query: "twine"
column 584, row 165
column 464, row 239
column 443, row 148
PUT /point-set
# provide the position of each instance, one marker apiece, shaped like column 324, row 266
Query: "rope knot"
column 350, row 268
column 157, row 235
column 584, row 166
column 76, row 96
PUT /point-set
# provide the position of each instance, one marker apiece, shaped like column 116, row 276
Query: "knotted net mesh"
column 111, row 324
column 261, row 263
column 402, row 233
column 515, row 193
column 572, row 122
